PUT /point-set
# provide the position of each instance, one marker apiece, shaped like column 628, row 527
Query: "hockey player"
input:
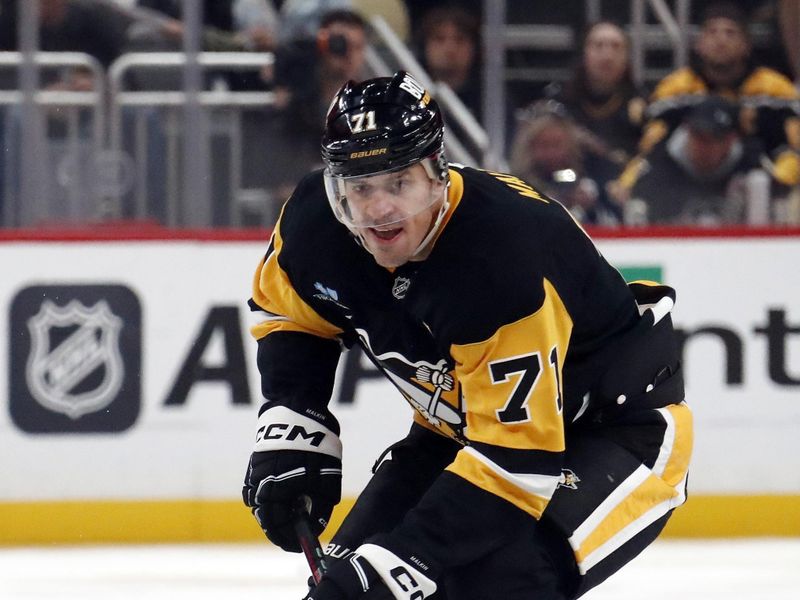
column 550, row 442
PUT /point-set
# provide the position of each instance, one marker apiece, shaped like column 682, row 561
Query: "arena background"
column 155, row 449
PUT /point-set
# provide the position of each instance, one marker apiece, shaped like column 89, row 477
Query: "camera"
column 337, row 44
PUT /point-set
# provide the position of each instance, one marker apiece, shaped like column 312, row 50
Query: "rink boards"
column 149, row 441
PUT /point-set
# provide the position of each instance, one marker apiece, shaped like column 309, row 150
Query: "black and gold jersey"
column 502, row 338
column 769, row 109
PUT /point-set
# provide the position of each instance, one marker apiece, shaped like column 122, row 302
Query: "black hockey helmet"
column 382, row 125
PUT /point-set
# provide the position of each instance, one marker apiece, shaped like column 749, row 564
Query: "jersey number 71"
column 528, row 368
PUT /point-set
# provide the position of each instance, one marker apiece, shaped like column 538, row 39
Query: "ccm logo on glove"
column 406, row 582
column 403, row 579
column 278, row 431
column 280, row 428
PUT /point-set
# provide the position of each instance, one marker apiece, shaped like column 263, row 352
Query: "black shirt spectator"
column 601, row 96
column 449, row 49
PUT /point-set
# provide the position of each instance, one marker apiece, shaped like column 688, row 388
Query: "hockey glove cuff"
column 373, row 571
column 294, row 456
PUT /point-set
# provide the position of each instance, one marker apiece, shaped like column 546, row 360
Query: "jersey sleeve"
column 298, row 350
column 771, row 109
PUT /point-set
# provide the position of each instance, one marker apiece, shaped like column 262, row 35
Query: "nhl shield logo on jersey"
column 70, row 346
column 400, row 287
column 76, row 358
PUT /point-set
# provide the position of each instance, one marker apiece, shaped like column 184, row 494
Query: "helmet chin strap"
column 419, row 253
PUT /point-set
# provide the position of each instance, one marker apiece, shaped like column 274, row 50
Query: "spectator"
column 68, row 171
column 70, row 26
column 449, row 43
column 697, row 175
column 448, row 47
column 228, row 26
column 776, row 24
column 547, row 152
column 417, row 9
column 602, row 96
column 769, row 103
column 308, row 73
column 788, row 19
column 302, row 19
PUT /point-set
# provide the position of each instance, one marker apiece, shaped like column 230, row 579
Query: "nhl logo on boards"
column 400, row 287
column 75, row 360
column 92, row 342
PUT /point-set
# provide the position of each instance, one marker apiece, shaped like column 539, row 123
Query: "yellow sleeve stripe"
column 682, row 81
column 645, row 282
column 273, row 292
column 676, row 449
column 650, row 499
column 644, row 497
column 786, row 167
column 768, row 82
column 528, row 492
column 266, row 327
column 654, row 132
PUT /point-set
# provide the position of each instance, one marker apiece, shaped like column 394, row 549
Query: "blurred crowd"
column 712, row 143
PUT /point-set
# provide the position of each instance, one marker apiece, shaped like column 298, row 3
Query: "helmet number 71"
column 363, row 121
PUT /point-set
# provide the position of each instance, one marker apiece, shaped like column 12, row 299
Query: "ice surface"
column 711, row 570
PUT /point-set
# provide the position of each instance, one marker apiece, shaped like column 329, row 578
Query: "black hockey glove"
column 373, row 572
column 294, row 456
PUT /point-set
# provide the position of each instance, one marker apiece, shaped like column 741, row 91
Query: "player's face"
column 393, row 212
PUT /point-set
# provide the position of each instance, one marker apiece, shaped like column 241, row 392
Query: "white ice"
column 707, row 570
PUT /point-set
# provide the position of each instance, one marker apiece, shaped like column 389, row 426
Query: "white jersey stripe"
column 624, row 490
column 667, row 444
column 625, row 534
column 257, row 317
column 633, row 528
column 622, row 493
column 542, row 486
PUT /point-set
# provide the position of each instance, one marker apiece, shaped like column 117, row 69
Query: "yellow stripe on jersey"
column 641, row 499
column 273, row 292
column 682, row 81
column 455, row 190
column 786, row 167
column 676, row 449
column 534, row 340
column 517, row 184
column 530, row 493
column 791, row 128
column 768, row 82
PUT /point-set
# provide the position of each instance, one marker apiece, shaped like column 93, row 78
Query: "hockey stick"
column 308, row 541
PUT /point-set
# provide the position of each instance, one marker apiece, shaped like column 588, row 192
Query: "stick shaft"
column 310, row 545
